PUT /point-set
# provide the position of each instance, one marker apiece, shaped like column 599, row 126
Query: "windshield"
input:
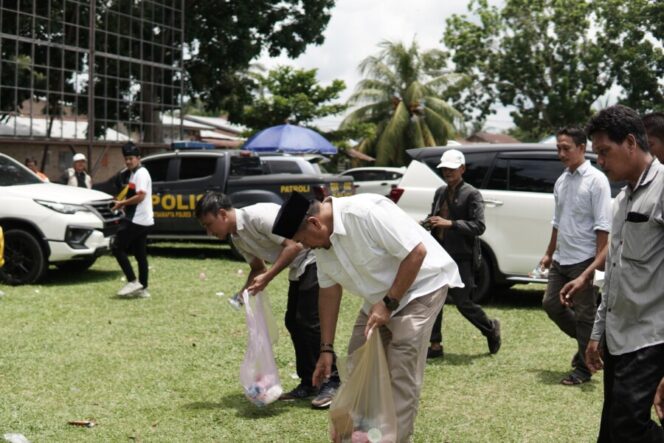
column 13, row 173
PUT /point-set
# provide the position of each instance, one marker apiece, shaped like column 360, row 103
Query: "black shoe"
column 435, row 353
column 493, row 339
column 299, row 393
column 325, row 395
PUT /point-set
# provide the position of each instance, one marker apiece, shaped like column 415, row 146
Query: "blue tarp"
column 289, row 139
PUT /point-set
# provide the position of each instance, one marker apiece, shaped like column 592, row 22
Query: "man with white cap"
column 77, row 175
column 456, row 221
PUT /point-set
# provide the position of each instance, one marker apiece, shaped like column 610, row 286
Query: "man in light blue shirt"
column 581, row 223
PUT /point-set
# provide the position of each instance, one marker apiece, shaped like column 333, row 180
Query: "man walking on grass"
column 581, row 223
column 627, row 339
column 456, row 222
column 133, row 233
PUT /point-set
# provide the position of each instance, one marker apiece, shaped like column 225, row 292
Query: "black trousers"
column 303, row 323
column 630, row 382
column 134, row 238
column 469, row 309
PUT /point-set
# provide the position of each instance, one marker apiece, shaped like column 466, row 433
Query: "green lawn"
column 166, row 369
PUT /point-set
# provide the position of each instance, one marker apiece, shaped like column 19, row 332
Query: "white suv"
column 375, row 179
column 49, row 223
column 516, row 182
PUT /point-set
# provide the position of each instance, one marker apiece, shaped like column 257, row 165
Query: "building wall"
column 58, row 158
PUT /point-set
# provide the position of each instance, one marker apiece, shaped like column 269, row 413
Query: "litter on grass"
column 15, row 438
column 82, row 423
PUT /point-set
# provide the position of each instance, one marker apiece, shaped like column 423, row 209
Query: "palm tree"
column 401, row 94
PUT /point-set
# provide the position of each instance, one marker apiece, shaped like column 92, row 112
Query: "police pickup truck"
column 180, row 178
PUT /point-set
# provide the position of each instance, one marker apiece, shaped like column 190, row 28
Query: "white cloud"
column 358, row 26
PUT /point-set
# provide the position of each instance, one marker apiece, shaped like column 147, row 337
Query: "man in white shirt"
column 581, row 223
column 250, row 229
column 370, row 247
column 133, row 234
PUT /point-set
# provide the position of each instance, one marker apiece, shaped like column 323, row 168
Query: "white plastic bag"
column 258, row 373
column 363, row 409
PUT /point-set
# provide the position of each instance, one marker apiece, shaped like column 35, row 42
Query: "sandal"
column 573, row 380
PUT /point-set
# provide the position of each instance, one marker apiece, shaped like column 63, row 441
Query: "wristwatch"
column 391, row 303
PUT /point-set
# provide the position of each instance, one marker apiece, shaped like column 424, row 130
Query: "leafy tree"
column 401, row 95
column 544, row 59
column 225, row 36
column 633, row 34
column 287, row 95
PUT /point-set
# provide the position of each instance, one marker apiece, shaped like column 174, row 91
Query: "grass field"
column 165, row 369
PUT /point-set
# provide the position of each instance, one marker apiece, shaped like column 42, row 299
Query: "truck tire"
column 25, row 262
column 76, row 265
column 483, row 281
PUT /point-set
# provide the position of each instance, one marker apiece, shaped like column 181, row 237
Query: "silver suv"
column 516, row 182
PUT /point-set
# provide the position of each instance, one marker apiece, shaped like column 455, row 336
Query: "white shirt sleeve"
column 142, row 181
column 601, row 201
column 556, row 195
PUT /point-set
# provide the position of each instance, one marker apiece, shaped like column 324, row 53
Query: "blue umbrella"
column 289, row 139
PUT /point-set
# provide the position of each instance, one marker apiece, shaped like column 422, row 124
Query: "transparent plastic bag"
column 258, row 373
column 363, row 409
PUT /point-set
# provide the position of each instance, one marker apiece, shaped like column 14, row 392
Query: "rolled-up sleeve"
column 556, row 194
column 601, row 201
column 600, row 320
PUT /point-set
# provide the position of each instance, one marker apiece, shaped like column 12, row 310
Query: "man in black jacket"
column 456, row 221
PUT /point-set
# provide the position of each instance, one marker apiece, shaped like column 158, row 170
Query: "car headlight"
column 63, row 208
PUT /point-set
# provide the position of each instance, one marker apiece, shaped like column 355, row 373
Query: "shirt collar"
column 581, row 170
column 239, row 219
column 337, row 223
column 650, row 172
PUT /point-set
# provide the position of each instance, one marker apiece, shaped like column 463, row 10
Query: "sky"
column 355, row 29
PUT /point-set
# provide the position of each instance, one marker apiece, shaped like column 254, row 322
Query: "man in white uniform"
column 370, row 247
column 133, row 234
column 250, row 229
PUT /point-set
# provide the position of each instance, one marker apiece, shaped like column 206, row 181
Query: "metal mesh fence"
column 131, row 49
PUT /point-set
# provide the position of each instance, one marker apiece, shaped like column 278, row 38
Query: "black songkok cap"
column 130, row 148
column 290, row 215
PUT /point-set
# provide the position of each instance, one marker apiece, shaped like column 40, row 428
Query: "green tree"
column 287, row 95
column 402, row 95
column 633, row 34
column 224, row 37
column 544, row 59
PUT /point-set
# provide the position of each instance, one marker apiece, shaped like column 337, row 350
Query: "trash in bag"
column 258, row 373
column 363, row 409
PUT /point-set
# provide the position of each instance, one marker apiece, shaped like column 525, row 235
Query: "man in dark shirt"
column 456, row 220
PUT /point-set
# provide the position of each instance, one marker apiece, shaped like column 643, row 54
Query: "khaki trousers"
column 406, row 338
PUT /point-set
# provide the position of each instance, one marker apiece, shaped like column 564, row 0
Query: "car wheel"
column 76, row 265
column 483, row 281
column 25, row 262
